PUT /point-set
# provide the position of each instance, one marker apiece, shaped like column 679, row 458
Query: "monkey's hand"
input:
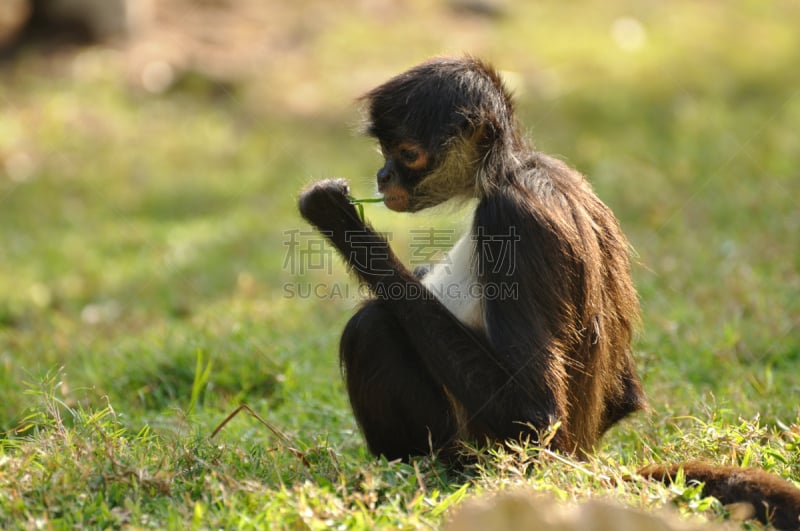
column 325, row 204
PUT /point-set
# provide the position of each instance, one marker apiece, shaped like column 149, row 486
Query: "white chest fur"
column 454, row 283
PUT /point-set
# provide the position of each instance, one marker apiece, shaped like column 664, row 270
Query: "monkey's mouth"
column 396, row 198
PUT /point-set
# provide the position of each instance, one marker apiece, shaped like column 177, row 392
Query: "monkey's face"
column 435, row 124
column 413, row 177
column 405, row 165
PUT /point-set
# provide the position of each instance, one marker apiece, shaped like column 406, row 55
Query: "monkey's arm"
column 503, row 389
column 517, row 255
column 325, row 205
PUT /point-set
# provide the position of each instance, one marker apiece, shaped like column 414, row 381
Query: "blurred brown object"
column 224, row 40
column 227, row 39
column 57, row 22
column 102, row 19
column 13, row 15
column 522, row 511
column 248, row 49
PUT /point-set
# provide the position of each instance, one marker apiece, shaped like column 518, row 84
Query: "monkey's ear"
column 487, row 132
column 488, row 140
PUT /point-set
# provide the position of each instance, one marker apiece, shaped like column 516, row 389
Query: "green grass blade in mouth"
column 359, row 203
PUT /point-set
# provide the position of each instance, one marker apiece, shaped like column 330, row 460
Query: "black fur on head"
column 456, row 111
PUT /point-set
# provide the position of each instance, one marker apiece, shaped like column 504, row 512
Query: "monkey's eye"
column 409, row 156
column 412, row 156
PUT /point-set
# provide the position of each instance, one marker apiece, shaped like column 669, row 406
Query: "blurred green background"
column 148, row 183
column 140, row 225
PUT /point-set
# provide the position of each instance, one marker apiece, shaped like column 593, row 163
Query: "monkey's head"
column 440, row 126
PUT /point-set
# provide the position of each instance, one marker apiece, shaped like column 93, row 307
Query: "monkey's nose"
column 385, row 173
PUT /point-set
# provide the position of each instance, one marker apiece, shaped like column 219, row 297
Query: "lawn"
column 155, row 274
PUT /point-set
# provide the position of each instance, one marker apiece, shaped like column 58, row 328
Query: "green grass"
column 144, row 274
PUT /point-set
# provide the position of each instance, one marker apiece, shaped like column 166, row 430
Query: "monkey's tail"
column 773, row 500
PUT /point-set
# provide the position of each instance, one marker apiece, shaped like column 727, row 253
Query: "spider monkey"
column 524, row 331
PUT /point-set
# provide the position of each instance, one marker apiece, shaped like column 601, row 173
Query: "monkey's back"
column 584, row 284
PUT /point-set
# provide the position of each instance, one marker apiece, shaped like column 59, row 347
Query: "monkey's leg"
column 402, row 411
